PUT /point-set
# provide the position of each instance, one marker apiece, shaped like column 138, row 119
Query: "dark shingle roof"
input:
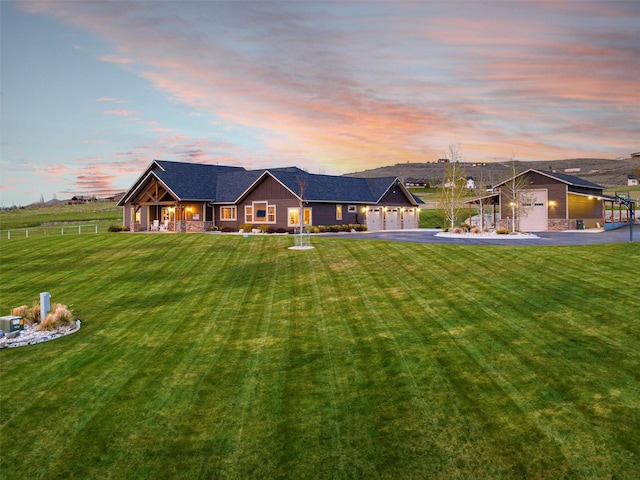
column 571, row 179
column 331, row 188
column 193, row 181
column 224, row 184
column 562, row 177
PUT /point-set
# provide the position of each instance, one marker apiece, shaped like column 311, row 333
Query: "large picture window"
column 260, row 212
column 228, row 213
column 293, row 215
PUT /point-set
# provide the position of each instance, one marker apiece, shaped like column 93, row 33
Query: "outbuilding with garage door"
column 547, row 201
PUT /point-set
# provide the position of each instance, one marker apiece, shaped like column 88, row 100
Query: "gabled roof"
column 224, row 184
column 193, row 181
column 186, row 181
column 561, row 177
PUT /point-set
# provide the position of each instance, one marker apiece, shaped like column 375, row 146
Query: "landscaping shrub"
column 246, row 227
column 264, row 228
column 503, row 231
column 118, row 228
column 227, row 229
column 282, row 230
column 476, row 230
column 322, row 228
column 59, row 316
column 30, row 316
column 457, row 230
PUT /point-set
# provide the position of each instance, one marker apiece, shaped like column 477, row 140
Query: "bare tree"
column 516, row 195
column 302, row 185
column 453, row 186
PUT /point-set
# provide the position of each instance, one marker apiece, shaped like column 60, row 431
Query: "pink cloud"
column 395, row 83
column 121, row 112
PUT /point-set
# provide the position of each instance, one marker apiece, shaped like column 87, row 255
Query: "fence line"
column 30, row 232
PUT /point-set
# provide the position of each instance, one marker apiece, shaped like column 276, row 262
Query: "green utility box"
column 11, row 323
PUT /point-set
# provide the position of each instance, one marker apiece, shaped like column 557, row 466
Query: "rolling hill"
column 606, row 172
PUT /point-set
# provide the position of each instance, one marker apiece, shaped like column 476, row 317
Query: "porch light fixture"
column 552, row 203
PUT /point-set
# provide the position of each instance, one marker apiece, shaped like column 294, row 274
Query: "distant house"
column 189, row 197
column 443, row 160
column 78, row 199
column 632, row 181
column 470, row 183
column 415, row 182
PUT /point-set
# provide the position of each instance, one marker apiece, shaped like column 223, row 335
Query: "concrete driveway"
column 577, row 237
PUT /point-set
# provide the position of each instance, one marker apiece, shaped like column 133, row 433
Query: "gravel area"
column 31, row 336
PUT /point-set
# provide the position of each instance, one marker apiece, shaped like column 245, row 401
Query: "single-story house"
column 632, row 181
column 548, row 201
column 191, row 197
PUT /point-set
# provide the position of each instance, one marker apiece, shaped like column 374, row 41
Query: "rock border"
column 31, row 336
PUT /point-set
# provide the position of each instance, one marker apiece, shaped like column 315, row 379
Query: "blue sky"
column 91, row 92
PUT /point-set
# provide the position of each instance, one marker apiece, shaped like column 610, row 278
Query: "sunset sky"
column 91, row 92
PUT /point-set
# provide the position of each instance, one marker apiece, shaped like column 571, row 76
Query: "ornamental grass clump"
column 30, row 316
column 60, row 316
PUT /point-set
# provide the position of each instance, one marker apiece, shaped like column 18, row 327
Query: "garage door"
column 534, row 213
column 411, row 218
column 393, row 219
column 375, row 216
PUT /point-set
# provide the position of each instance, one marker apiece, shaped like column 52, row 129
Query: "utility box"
column 580, row 224
column 45, row 305
column 11, row 323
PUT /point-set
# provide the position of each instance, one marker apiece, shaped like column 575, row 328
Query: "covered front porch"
column 154, row 208
column 174, row 217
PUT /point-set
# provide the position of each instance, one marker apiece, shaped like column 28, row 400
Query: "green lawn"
column 220, row 356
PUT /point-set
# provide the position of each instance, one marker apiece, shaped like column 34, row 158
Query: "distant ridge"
column 605, row 172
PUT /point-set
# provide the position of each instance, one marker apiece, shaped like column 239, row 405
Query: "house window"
column 293, row 215
column 338, row 212
column 352, row 209
column 260, row 212
column 227, row 213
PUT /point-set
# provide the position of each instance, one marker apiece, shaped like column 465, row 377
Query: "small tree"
column 515, row 193
column 453, row 186
column 302, row 185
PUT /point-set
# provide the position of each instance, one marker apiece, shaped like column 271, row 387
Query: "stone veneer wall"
column 193, row 226
column 558, row 225
column 135, row 227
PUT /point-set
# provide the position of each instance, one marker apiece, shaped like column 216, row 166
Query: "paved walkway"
column 576, row 237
